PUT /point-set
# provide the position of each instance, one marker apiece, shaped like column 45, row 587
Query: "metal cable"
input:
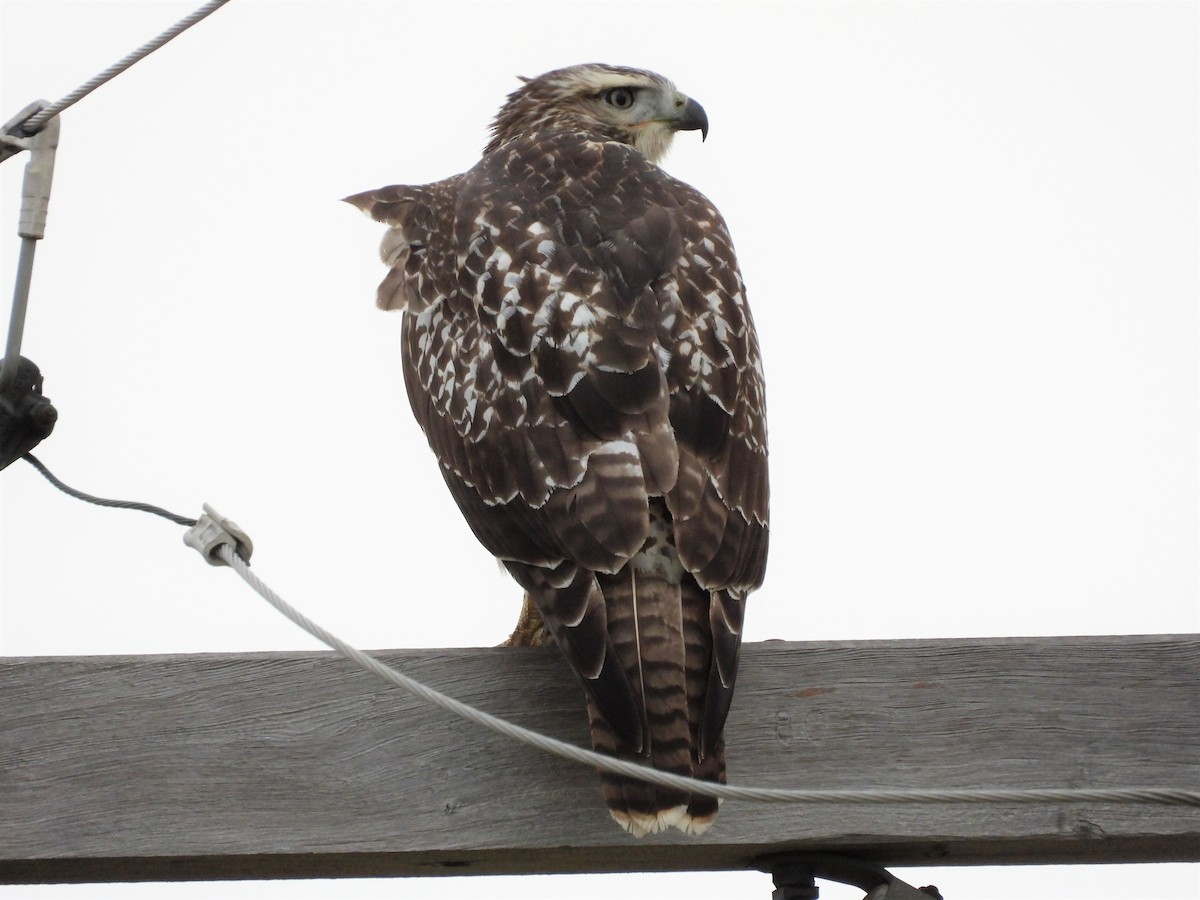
column 36, row 122
column 100, row 501
column 667, row 779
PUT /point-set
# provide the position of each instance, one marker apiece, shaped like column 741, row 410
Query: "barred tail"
column 708, row 749
column 660, row 631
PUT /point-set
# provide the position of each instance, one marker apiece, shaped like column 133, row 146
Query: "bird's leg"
column 531, row 630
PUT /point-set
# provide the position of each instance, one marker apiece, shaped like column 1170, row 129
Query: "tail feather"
column 660, row 626
column 709, row 762
column 702, row 810
column 645, row 625
column 655, row 652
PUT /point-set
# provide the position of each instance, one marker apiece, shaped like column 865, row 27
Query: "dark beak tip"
column 694, row 119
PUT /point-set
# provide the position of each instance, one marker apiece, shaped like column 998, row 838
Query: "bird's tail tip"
column 642, row 824
column 681, row 817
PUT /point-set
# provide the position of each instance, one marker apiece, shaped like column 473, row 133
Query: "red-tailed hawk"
column 579, row 353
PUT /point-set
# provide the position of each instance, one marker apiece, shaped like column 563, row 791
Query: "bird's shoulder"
column 559, row 174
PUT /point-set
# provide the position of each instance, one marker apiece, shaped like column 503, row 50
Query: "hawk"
column 578, row 351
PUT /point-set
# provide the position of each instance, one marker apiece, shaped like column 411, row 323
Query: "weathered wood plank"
column 300, row 765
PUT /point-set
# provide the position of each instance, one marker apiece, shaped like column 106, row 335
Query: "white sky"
column 969, row 232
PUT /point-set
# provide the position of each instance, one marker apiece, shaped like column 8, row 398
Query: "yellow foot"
column 531, row 630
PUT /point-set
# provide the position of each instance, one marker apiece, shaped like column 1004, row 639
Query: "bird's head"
column 632, row 106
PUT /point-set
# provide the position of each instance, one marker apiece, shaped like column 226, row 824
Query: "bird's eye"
column 621, row 98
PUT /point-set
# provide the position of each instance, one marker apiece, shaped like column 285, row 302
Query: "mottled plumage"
column 579, row 353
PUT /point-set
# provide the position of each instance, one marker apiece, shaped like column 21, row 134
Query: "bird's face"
column 633, row 106
column 643, row 109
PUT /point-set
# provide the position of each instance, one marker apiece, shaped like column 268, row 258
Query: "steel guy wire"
column 35, row 123
column 668, row 779
column 25, row 134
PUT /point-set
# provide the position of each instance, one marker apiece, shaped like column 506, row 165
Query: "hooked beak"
column 691, row 117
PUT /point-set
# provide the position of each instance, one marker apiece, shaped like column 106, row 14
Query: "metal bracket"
column 31, row 226
column 795, row 876
column 39, row 173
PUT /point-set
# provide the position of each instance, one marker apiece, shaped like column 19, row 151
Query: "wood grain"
column 300, row 765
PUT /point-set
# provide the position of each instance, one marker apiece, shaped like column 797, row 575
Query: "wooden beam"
column 291, row 765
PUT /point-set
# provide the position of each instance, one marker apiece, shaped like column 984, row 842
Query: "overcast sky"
column 969, row 233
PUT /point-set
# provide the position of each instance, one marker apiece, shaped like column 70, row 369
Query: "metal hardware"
column 795, row 876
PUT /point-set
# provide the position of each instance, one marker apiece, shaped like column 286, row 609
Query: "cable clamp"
column 213, row 531
column 39, row 173
column 13, row 136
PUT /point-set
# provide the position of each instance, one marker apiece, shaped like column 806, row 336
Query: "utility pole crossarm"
column 278, row 765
